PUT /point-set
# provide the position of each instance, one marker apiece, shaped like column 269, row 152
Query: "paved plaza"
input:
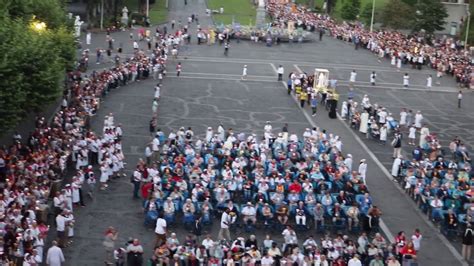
column 210, row 92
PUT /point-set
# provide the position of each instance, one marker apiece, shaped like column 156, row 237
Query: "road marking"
column 274, row 67
column 359, row 84
column 298, row 68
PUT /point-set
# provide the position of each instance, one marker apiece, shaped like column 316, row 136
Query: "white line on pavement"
column 359, row 84
column 298, row 68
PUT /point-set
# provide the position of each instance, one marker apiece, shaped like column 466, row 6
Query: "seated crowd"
column 326, row 251
column 279, row 180
column 445, row 55
column 442, row 186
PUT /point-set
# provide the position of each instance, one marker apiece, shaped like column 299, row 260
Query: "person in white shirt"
column 372, row 78
column 355, row 261
column 226, row 221
column 459, row 99
column 352, row 78
column 403, row 118
column 406, row 80
column 61, row 228
column 362, row 170
column 160, row 231
column 249, row 213
column 208, row 243
column 267, row 260
column 416, row 238
column 55, row 255
column 244, row 72
column 429, row 81
column 280, row 72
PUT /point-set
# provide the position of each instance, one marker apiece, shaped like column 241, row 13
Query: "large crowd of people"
column 444, row 55
column 60, row 159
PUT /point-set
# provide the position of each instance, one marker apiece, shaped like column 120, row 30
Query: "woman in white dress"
column 104, row 176
column 411, row 135
column 418, row 119
column 399, row 63
column 394, row 60
column 75, row 191
column 364, row 118
column 344, row 110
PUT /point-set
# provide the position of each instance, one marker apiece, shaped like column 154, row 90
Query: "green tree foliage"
column 350, row 9
column 397, row 15
column 366, row 13
column 430, row 16
column 32, row 63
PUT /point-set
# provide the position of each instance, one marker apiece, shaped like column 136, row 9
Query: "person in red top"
column 401, row 241
column 408, row 251
column 295, row 187
column 178, row 69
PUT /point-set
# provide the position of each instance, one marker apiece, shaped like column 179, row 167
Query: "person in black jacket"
column 467, row 242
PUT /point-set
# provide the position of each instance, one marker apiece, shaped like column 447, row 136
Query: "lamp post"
column 372, row 17
column 101, row 14
column 467, row 28
column 147, row 8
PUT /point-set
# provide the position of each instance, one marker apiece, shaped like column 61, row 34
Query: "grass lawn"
column 242, row 11
column 158, row 10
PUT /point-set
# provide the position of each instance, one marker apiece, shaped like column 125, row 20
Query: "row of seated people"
column 443, row 188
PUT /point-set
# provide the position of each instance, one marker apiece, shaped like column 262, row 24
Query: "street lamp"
column 372, row 17
column 38, row 26
column 467, row 28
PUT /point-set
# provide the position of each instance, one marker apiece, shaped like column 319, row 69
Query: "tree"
column 397, row 15
column 366, row 13
column 350, row 9
column 32, row 62
column 430, row 16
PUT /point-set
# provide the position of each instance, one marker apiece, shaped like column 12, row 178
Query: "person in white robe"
column 403, row 118
column 221, row 133
column 344, row 110
column 76, row 185
column 411, row 135
column 55, row 255
column 418, row 119
column 363, row 170
column 348, row 162
column 364, row 118
column 209, row 134
column 396, row 166
column 424, row 132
